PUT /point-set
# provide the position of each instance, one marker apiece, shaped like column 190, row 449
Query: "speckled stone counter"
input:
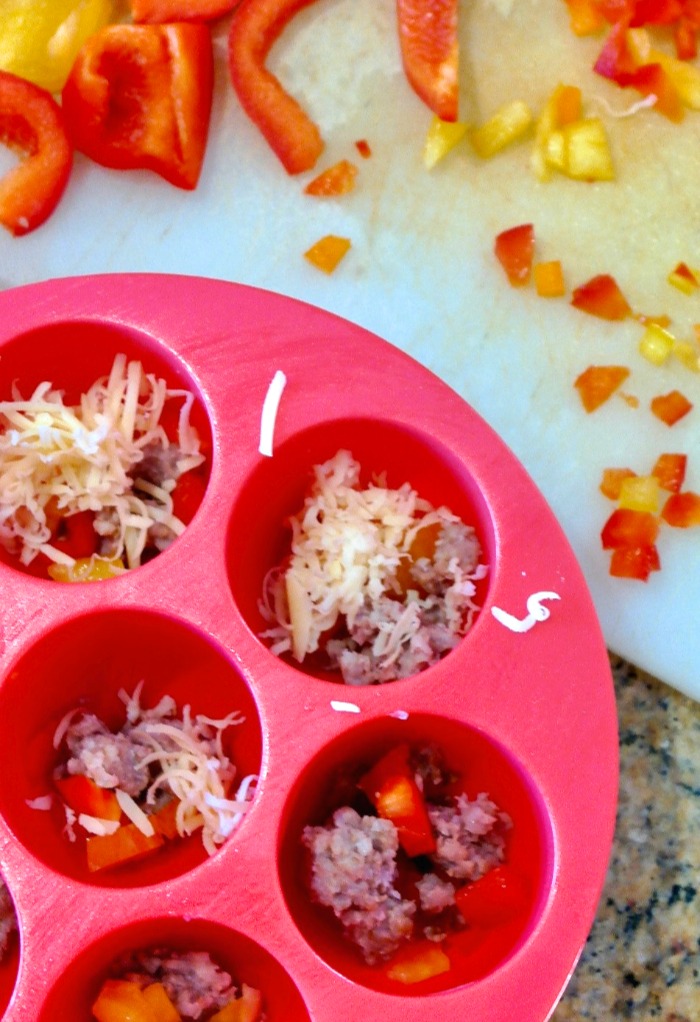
column 642, row 959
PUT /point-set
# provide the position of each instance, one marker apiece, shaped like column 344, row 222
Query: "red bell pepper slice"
column 160, row 12
column 139, row 96
column 494, row 898
column 634, row 562
column 430, row 52
column 514, row 249
column 291, row 134
column 84, row 796
column 682, row 510
column 76, row 536
column 629, row 528
column 597, row 383
column 601, row 296
column 670, row 407
column 392, row 789
column 32, row 125
column 669, row 469
column 188, row 495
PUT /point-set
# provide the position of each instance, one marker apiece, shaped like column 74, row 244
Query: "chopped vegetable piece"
column 634, row 562
column 125, row 844
column 327, row 252
column 683, row 278
column 246, row 1008
column 139, row 96
column 656, row 344
column 514, row 249
column 682, row 510
column 255, row 26
column 585, row 17
column 580, row 150
column 687, row 353
column 363, row 148
column 442, row 137
column 628, row 528
column 669, row 469
column 336, row 180
column 549, row 279
column 418, row 964
column 612, row 481
column 670, row 407
column 563, row 107
column 156, row 997
column 596, row 384
column 87, row 569
column 121, row 1000
column 601, row 296
column 493, row 899
column 84, row 796
column 509, row 124
column 430, row 52
column 392, row 789
column 165, row 11
column 641, row 493
column 33, row 126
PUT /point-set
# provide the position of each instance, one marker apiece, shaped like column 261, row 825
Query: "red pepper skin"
column 139, row 97
column 682, row 510
column 634, row 562
column 601, row 296
column 391, row 787
column 84, row 796
column 161, row 12
column 430, row 52
column 669, row 469
column 76, row 536
column 495, row 898
column 514, row 249
column 31, row 124
column 628, row 528
column 291, row 134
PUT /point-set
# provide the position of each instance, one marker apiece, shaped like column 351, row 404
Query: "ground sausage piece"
column 110, row 760
column 193, row 981
column 470, row 836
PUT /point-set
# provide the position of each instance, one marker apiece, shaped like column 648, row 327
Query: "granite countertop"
column 642, row 959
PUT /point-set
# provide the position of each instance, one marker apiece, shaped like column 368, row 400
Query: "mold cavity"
column 84, row 666
column 9, row 946
column 415, row 856
column 104, row 466
column 152, row 942
column 373, row 595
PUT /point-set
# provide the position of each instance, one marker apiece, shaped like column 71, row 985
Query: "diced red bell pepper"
column 160, row 12
column 76, row 536
column 656, row 12
column 139, row 96
column 428, row 38
column 612, row 481
column 84, row 796
column 391, row 787
column 685, row 37
column 188, row 495
column 32, row 124
column 597, row 383
column 615, row 60
column 601, row 296
column 634, row 562
column 682, row 510
column 629, row 528
column 493, row 899
column 669, row 469
column 363, row 147
column 336, row 180
column 291, row 134
column 652, row 80
column 514, row 249
column 670, row 407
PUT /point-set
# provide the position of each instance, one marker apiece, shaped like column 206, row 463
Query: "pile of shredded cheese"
column 56, row 458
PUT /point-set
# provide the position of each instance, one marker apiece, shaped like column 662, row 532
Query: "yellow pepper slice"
column 39, row 39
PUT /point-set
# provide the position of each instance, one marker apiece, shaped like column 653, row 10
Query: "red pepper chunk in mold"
column 392, row 790
column 140, row 96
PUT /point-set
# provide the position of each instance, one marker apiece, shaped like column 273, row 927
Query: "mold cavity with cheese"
column 134, row 751
column 360, row 552
column 105, row 451
column 198, row 966
column 415, row 854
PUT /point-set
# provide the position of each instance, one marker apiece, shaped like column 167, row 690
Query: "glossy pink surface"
column 535, row 711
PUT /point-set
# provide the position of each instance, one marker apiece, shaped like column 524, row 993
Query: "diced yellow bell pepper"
column 688, row 354
column 441, row 138
column 509, row 124
column 423, row 964
column 684, row 76
column 40, row 39
column 549, row 279
column 563, row 107
column 640, row 493
column 86, row 569
column 656, row 344
column 581, row 151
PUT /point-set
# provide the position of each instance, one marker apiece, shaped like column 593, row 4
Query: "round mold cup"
column 84, row 664
column 9, row 946
column 72, row 355
column 259, row 535
column 247, row 962
column 482, row 766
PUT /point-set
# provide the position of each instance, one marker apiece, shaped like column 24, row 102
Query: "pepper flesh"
column 670, row 407
column 159, row 12
column 291, row 134
column 32, row 125
column 392, row 789
column 597, row 383
column 601, row 296
column 514, row 248
column 430, row 52
column 139, row 96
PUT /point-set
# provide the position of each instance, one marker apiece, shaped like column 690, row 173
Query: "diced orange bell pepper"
column 84, row 796
column 164, row 820
column 32, row 125
column 139, row 96
column 291, row 134
column 494, row 898
column 127, row 843
column 336, row 180
column 597, row 383
column 549, row 279
column 612, row 480
column 121, row 1000
column 514, row 249
column 682, row 510
column 418, row 963
column 634, row 562
column 669, row 469
column 160, row 12
column 584, row 16
column 670, row 407
column 156, row 997
column 327, row 252
column 392, row 789
column 428, row 38
column 601, row 296
column 628, row 528
column 246, row 1008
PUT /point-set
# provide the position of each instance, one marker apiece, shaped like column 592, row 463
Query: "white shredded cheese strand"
column 131, row 810
column 535, row 612
column 270, row 408
column 95, row 825
column 42, row 802
column 342, row 707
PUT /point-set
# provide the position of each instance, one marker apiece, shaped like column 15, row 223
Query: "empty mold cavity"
column 475, row 765
column 9, row 946
column 259, row 534
column 244, row 960
column 72, row 356
column 83, row 665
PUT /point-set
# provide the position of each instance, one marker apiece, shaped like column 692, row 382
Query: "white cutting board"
column 421, row 272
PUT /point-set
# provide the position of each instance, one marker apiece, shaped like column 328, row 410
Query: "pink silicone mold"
column 529, row 716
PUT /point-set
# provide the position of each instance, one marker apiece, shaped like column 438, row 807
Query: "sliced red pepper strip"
column 597, row 383
column 291, row 134
column 430, row 52
column 139, row 96
column 601, row 296
column 682, row 510
column 628, row 528
column 634, row 562
column 33, row 126
column 495, row 898
column 514, row 249
column 391, row 787
column 669, row 469
column 160, row 12
column 84, row 796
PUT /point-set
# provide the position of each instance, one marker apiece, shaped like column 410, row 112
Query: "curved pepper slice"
column 158, row 12
column 32, row 125
column 139, row 96
column 430, row 52
column 291, row 134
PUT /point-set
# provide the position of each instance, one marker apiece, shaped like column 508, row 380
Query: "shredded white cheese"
column 42, row 802
column 535, row 612
column 57, row 459
column 270, row 408
column 342, row 707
